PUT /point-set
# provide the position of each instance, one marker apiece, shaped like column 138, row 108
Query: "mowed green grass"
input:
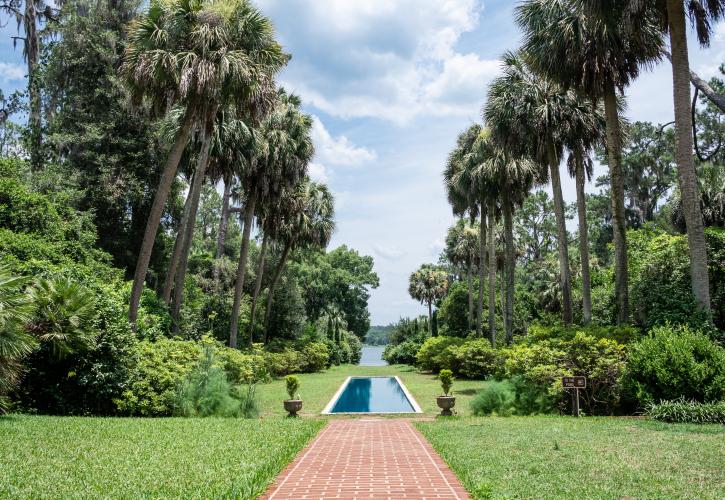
column 564, row 457
column 86, row 457
column 318, row 388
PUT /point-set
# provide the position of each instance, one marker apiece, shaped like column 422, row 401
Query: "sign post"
column 575, row 383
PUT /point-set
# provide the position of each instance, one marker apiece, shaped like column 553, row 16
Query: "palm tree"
column 276, row 161
column 671, row 16
column 462, row 250
column 195, row 54
column 428, row 284
column 308, row 222
column 591, row 49
column 528, row 116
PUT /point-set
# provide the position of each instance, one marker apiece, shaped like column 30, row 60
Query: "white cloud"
column 388, row 253
column 10, row 72
column 337, row 150
column 317, row 172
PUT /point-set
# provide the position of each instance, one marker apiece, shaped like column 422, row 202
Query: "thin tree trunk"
column 686, row 173
column 469, row 282
column 510, row 263
column 257, row 287
column 222, row 236
column 272, row 286
column 178, row 245
column 242, row 268
column 32, row 52
column 157, row 210
column 619, row 223
column 195, row 193
column 583, row 239
column 481, row 273
column 430, row 317
column 492, row 271
column 561, row 235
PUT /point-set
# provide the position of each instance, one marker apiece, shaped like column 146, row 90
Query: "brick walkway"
column 367, row 459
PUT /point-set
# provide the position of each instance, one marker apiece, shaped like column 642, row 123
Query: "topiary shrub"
column 476, row 359
column 692, row 412
column 292, row 385
column 446, row 378
column 496, row 398
column 675, row 362
column 435, row 353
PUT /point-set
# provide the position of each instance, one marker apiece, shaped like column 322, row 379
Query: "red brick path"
column 367, row 459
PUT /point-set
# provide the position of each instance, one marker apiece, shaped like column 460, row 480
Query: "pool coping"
column 408, row 395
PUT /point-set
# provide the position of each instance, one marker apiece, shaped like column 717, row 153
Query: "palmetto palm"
column 308, row 221
column 671, row 15
column 428, row 285
column 196, row 54
column 462, row 249
column 585, row 44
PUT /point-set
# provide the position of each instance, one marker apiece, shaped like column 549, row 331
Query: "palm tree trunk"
column 195, row 194
column 510, row 263
column 561, row 235
column 481, row 273
column 257, row 287
column 178, row 244
column 619, row 223
column 469, row 282
column 430, row 317
column 492, row 270
column 32, row 52
column 157, row 209
column 273, row 285
column 684, row 145
column 242, row 268
column 222, row 236
column 583, row 239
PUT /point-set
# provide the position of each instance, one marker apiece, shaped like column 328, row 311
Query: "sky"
column 390, row 84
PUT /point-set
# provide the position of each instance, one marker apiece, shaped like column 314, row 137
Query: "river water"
column 372, row 356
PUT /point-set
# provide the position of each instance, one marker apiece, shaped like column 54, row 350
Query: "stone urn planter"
column 292, row 406
column 446, row 403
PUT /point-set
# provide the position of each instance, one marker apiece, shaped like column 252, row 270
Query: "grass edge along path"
column 92, row 457
column 590, row 457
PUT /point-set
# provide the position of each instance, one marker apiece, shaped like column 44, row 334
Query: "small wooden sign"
column 574, row 382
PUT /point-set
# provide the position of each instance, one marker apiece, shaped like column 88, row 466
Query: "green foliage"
column 476, row 359
column 496, row 398
column 624, row 334
column 354, row 346
column 378, row 335
column 315, row 357
column 435, row 353
column 289, row 318
column 292, row 385
column 205, row 391
column 453, row 312
column 401, row 354
column 675, row 362
column 446, row 378
column 684, row 411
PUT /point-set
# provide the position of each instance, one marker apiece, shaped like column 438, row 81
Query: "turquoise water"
column 373, row 395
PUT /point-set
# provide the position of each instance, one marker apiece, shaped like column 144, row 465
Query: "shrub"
column 401, row 354
column 354, row 347
column 446, row 378
column 623, row 334
column 285, row 362
column 435, row 353
column 292, row 384
column 496, row 397
column 453, row 313
column 205, row 391
column 684, row 411
column 676, row 362
column 314, row 357
column 476, row 359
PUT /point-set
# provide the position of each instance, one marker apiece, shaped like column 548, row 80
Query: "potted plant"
column 446, row 402
column 294, row 403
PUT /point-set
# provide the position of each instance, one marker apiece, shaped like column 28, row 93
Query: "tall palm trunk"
column 273, row 285
column 492, row 270
column 202, row 163
column 684, row 145
column 481, row 271
column 178, row 245
column 561, row 235
column 222, row 236
column 469, row 283
column 509, row 264
column 32, row 53
column 430, row 317
column 583, row 238
column 257, row 287
column 242, row 268
column 157, row 209
column 619, row 223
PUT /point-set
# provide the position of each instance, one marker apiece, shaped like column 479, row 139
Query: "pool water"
column 373, row 395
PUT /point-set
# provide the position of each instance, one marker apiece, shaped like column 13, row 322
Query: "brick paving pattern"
column 367, row 459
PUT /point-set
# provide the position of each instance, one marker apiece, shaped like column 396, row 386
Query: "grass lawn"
column 564, row 457
column 53, row 457
column 318, row 388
